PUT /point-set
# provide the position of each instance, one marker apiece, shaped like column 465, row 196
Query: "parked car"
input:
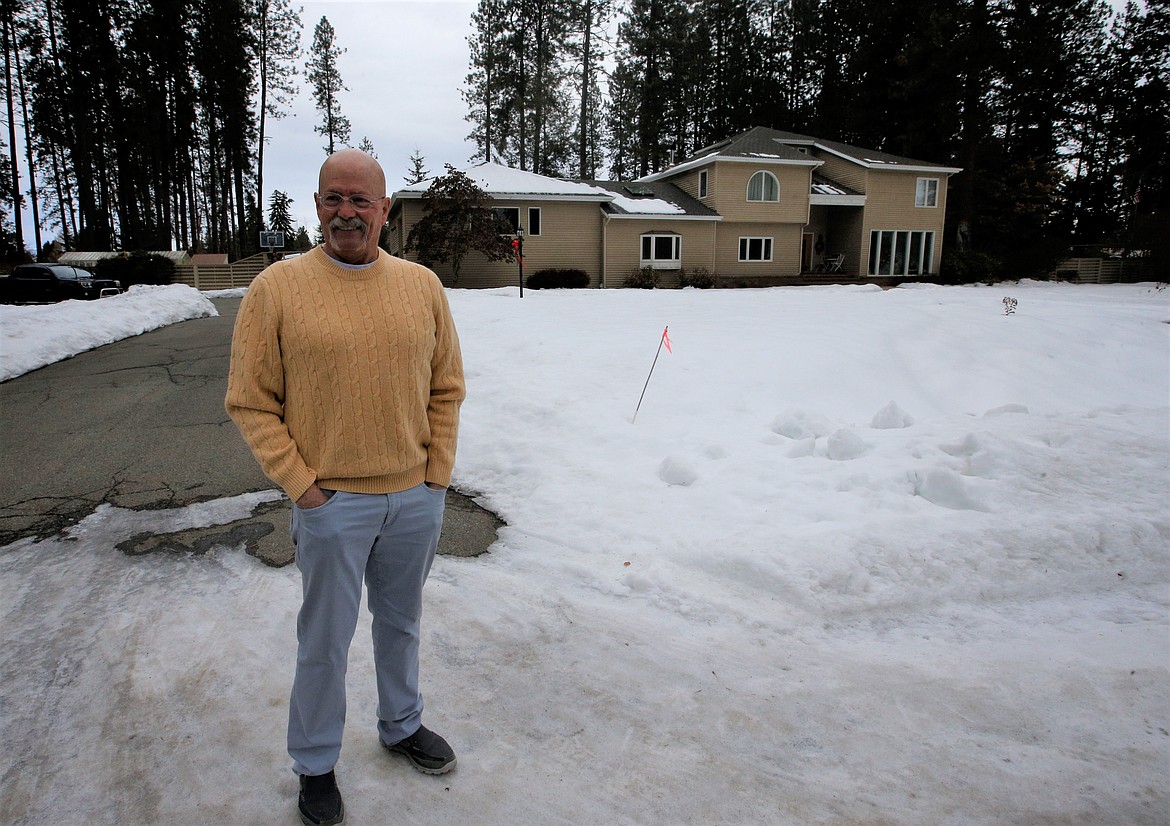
column 49, row 283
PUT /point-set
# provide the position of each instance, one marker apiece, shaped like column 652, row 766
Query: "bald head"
column 353, row 162
column 351, row 234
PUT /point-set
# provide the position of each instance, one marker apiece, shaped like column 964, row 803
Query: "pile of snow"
column 35, row 335
column 862, row 557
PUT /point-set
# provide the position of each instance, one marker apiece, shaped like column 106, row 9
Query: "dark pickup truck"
column 49, row 283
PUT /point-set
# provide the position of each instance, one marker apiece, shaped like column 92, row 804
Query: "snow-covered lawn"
column 863, row 557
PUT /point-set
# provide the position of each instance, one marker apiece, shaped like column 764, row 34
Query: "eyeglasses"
column 359, row 202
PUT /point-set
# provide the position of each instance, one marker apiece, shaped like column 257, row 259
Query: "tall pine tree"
column 653, row 64
column 325, row 80
column 277, row 42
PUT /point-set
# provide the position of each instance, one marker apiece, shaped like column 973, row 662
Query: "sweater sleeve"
column 447, row 393
column 255, row 394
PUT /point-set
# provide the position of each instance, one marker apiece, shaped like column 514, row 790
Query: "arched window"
column 763, row 187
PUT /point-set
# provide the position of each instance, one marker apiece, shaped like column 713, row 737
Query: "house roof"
column 875, row 159
column 827, row 186
column 80, row 259
column 772, row 145
column 209, row 258
column 658, row 199
column 758, row 143
column 504, row 183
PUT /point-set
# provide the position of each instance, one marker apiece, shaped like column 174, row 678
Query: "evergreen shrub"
column 968, row 267
column 645, row 278
column 137, row 267
column 698, row 278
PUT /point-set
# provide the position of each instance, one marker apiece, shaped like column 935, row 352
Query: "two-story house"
column 764, row 204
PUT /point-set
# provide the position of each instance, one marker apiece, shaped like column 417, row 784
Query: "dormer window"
column 763, row 186
column 702, row 183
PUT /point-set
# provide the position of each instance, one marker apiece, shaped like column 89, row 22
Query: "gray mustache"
column 348, row 223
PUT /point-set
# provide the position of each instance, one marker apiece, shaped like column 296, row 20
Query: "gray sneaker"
column 427, row 751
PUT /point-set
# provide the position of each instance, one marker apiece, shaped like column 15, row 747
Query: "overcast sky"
column 404, row 65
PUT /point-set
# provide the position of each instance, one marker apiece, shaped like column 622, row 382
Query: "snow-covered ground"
column 862, row 557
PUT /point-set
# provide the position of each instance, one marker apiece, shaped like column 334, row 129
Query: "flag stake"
column 664, row 340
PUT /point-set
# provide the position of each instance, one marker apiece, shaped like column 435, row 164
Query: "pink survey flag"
column 664, row 339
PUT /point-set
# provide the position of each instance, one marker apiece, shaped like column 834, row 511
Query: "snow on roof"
column 496, row 180
column 648, row 206
column 824, row 188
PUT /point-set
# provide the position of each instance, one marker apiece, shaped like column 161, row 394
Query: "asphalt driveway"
column 140, row 424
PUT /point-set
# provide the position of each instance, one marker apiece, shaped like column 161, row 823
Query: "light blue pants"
column 389, row 540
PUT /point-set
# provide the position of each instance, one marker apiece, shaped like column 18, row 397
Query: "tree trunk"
column 973, row 125
column 28, row 151
column 8, row 36
column 586, row 76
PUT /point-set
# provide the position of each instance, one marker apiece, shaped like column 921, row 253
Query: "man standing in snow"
column 346, row 380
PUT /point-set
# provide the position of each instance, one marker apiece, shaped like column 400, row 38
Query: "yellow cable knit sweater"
column 350, row 378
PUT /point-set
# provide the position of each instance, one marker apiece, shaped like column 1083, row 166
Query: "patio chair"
column 833, row 263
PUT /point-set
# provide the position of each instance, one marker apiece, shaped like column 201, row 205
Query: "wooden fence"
column 1101, row 270
column 222, row 276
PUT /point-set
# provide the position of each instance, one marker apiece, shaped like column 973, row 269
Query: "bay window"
column 661, row 252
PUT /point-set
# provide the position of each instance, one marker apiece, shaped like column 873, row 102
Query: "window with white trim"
column 900, row 252
column 661, row 252
column 926, row 192
column 702, row 183
column 755, row 249
column 763, row 186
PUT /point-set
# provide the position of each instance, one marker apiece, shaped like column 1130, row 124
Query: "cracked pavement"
column 140, row 424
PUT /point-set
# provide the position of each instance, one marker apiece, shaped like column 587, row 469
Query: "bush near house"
column 137, row 267
column 644, row 279
column 557, row 279
column 968, row 267
column 699, row 278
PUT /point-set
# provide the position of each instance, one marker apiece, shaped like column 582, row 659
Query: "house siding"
column 688, row 182
column 847, row 238
column 730, row 193
column 624, row 247
column 890, row 206
column 819, row 224
column 785, row 249
column 842, row 171
column 569, row 239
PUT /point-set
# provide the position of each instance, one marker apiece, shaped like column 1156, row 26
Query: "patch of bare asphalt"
column 468, row 530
